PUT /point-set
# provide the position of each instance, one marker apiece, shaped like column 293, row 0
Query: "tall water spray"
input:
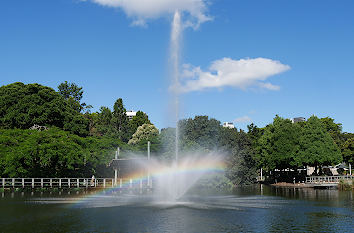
column 180, row 176
column 175, row 52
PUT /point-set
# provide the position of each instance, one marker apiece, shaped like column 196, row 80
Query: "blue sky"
column 97, row 47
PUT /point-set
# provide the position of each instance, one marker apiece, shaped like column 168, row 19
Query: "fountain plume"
column 175, row 54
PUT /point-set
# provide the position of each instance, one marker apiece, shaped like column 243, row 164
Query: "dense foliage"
column 53, row 152
column 279, row 145
column 81, row 143
column 22, row 106
column 317, row 147
column 146, row 132
column 241, row 164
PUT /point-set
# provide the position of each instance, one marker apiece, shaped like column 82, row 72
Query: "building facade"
column 229, row 125
column 298, row 119
column 130, row 114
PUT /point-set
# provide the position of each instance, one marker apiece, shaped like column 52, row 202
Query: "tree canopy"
column 279, row 145
column 22, row 106
column 286, row 145
column 241, row 165
column 348, row 150
column 75, row 143
column 144, row 133
column 201, row 130
column 317, row 147
column 138, row 120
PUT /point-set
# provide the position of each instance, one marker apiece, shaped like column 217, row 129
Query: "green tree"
column 348, row 150
column 317, row 147
column 279, row 145
column 254, row 133
column 138, row 120
column 22, row 106
column 104, row 122
column 144, row 133
column 54, row 153
column 73, row 94
column 241, row 166
column 200, row 130
column 120, row 120
column 31, row 153
column 334, row 129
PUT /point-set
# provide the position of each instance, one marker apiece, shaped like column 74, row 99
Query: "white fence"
column 327, row 179
column 72, row 183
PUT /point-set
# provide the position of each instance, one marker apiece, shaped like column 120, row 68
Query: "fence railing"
column 73, row 183
column 327, row 179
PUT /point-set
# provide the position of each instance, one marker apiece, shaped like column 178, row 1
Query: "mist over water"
column 172, row 181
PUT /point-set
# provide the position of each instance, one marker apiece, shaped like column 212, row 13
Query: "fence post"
column 13, row 182
column 3, row 182
column 23, row 183
column 41, row 182
column 69, row 182
column 51, row 182
column 33, row 183
column 59, row 182
column 104, row 183
column 77, row 183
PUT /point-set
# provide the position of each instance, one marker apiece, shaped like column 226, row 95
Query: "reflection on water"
column 256, row 208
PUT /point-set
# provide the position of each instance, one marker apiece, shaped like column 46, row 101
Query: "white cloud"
column 243, row 119
column 142, row 10
column 243, row 74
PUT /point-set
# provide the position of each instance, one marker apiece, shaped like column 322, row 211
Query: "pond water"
column 252, row 209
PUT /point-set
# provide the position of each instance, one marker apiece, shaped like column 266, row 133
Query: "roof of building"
column 130, row 167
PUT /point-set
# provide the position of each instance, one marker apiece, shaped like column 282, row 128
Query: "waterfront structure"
column 229, row 125
column 132, row 167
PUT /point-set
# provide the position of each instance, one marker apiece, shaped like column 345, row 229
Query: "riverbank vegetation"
column 52, row 133
column 346, row 185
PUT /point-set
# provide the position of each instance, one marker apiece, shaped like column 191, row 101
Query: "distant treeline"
column 77, row 142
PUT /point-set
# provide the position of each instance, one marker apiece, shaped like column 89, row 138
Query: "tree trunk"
column 320, row 170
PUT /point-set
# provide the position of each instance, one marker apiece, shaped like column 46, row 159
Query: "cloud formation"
column 243, row 74
column 243, row 119
column 142, row 10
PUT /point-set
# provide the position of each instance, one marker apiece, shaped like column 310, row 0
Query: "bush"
column 345, row 185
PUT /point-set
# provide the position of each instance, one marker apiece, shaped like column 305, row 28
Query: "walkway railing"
column 327, row 179
column 72, row 183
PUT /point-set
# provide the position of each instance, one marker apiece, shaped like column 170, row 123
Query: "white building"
column 229, row 125
column 131, row 114
column 298, row 119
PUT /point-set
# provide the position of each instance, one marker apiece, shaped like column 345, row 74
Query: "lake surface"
column 252, row 209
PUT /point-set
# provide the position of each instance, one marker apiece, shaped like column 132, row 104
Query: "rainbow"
column 203, row 166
